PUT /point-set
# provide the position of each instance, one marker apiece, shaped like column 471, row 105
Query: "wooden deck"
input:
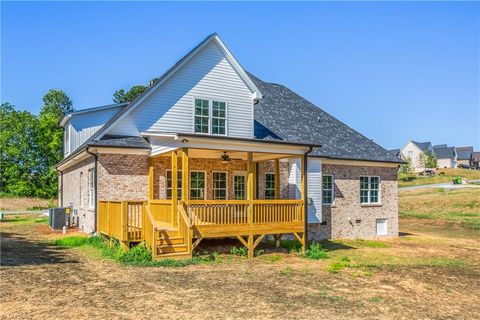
column 176, row 233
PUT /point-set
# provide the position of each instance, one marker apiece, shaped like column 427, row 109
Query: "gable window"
column 197, row 185
column 91, row 188
column 410, row 154
column 239, row 186
column 327, row 189
column 269, row 186
column 369, row 189
column 219, row 185
column 210, row 117
column 169, row 184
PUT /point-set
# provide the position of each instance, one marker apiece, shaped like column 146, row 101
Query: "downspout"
column 305, row 196
column 61, row 188
column 96, row 187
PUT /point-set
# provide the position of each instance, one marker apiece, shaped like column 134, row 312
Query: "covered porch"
column 210, row 188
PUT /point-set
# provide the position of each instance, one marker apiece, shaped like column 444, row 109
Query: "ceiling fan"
column 226, row 158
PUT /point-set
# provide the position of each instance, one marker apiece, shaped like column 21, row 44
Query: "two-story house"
column 212, row 151
column 413, row 151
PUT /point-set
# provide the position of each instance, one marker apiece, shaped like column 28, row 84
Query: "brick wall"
column 347, row 204
column 75, row 193
column 269, row 167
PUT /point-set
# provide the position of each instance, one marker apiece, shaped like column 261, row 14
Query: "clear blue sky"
column 393, row 71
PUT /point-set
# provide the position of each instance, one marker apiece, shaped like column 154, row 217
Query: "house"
column 395, row 152
column 446, row 156
column 475, row 160
column 464, row 156
column 211, row 151
column 413, row 151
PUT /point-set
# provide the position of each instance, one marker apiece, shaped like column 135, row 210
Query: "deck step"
column 176, row 255
column 175, row 248
column 168, row 233
column 170, row 241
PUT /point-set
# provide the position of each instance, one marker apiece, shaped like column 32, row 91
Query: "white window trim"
column 265, row 191
column 205, row 183
column 210, row 115
column 166, row 184
column 226, row 184
column 91, row 190
column 379, row 202
column 333, row 189
column 239, row 174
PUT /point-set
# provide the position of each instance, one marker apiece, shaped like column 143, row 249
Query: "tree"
column 406, row 168
column 19, row 157
column 49, row 139
column 428, row 160
column 120, row 96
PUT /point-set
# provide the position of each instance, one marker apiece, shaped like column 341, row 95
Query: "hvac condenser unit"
column 57, row 217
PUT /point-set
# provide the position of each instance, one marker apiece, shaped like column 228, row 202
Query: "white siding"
column 314, row 186
column 84, row 125
column 207, row 75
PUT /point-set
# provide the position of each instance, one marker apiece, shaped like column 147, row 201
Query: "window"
column 219, row 185
column 197, row 185
column 327, row 189
column 239, row 186
column 381, row 225
column 210, row 116
column 269, row 186
column 91, row 188
column 369, row 189
column 169, row 184
column 202, row 117
column 410, row 154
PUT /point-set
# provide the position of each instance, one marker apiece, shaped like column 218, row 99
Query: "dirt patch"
column 39, row 280
column 19, row 204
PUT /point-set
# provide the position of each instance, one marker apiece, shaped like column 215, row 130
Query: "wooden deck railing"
column 122, row 220
column 161, row 210
column 184, row 226
column 227, row 212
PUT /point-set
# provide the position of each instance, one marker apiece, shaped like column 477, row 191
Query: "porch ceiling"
column 234, row 155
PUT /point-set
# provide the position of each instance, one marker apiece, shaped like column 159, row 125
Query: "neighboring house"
column 446, row 156
column 395, row 152
column 464, row 156
column 413, row 150
column 212, row 151
column 476, row 160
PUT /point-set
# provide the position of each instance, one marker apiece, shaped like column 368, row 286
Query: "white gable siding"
column 84, row 125
column 208, row 75
column 314, row 186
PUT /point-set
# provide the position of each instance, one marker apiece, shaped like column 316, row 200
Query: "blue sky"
column 393, row 71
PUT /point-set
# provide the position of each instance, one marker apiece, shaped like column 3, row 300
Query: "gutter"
column 305, row 197
column 96, row 186
column 61, row 188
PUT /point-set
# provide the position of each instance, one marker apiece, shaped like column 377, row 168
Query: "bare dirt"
column 42, row 281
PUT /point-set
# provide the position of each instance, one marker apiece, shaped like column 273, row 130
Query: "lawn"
column 431, row 271
column 442, row 175
column 17, row 204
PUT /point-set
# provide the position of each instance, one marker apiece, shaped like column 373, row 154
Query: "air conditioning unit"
column 57, row 217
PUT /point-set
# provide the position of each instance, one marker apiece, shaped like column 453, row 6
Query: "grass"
column 443, row 175
column 24, row 219
column 12, row 203
column 457, row 206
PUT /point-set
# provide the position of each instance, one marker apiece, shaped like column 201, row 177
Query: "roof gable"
column 464, row 153
column 424, row 146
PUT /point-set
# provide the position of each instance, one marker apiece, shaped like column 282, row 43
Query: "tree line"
column 31, row 145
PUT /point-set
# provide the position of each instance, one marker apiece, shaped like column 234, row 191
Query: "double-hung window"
column 269, row 186
column 239, row 186
column 327, row 189
column 169, row 184
column 220, row 185
column 210, row 117
column 91, row 188
column 370, row 189
column 197, row 185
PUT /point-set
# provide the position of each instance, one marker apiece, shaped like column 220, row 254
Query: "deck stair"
column 169, row 244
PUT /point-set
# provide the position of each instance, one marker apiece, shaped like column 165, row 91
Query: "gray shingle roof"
column 283, row 114
column 422, row 145
column 121, row 142
column 395, row 152
column 442, row 152
column 464, row 153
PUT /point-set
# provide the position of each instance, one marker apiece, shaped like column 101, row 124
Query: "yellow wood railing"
column 122, row 220
column 225, row 212
column 185, row 229
column 161, row 210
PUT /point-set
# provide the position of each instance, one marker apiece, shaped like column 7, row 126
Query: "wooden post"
column 185, row 176
column 174, row 187
column 305, row 204
column 277, row 238
column 250, row 246
column 250, row 186
column 277, row 179
column 124, row 226
column 150, row 179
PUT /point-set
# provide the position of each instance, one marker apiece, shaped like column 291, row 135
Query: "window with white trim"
column 197, row 185
column 327, row 189
column 369, row 189
column 269, row 186
column 91, row 188
column 210, row 117
column 240, row 186
column 169, row 184
column 219, row 185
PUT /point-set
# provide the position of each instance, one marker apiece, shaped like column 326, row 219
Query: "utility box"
column 57, row 217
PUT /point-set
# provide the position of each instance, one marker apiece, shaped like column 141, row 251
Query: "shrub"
column 316, row 252
column 240, row 251
column 138, row 255
column 292, row 245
